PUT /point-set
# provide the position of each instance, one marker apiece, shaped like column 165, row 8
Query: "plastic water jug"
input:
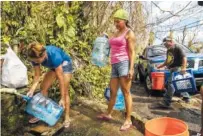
column 100, row 51
column 120, row 101
column 43, row 108
column 182, row 76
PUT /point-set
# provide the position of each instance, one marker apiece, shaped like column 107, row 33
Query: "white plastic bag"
column 14, row 72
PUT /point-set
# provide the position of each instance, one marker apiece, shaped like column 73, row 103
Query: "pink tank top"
column 119, row 48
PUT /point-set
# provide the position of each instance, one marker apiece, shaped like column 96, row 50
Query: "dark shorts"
column 120, row 69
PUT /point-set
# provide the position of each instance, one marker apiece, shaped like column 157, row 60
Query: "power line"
column 189, row 24
column 183, row 27
column 185, row 16
column 180, row 29
column 180, row 26
column 162, row 9
column 181, row 20
column 193, row 26
column 165, row 19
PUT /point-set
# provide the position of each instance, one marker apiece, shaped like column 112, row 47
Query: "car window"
column 185, row 49
column 160, row 50
column 156, row 51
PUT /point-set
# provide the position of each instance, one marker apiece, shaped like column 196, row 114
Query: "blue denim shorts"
column 67, row 67
column 120, row 69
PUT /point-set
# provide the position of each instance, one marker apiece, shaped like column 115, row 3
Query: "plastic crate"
column 186, row 84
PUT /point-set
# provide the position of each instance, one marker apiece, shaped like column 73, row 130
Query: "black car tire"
column 148, row 87
column 147, row 84
column 141, row 76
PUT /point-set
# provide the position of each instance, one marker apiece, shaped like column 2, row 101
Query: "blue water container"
column 100, row 53
column 120, row 101
column 184, row 82
column 44, row 109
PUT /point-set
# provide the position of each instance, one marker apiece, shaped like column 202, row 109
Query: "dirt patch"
column 84, row 112
column 188, row 112
column 86, row 124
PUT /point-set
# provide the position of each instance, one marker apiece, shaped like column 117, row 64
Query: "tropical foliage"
column 72, row 26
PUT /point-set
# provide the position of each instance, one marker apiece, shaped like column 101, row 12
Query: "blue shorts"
column 67, row 67
column 120, row 69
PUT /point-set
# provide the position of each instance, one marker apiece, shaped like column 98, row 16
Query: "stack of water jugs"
column 184, row 83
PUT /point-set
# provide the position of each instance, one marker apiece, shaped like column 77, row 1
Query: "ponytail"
column 128, row 24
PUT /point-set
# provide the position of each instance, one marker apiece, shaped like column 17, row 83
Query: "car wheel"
column 141, row 76
column 148, row 84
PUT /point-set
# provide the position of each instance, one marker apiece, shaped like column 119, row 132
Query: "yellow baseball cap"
column 121, row 14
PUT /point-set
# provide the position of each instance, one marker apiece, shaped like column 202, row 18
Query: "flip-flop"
column 33, row 120
column 126, row 127
column 104, row 117
column 66, row 124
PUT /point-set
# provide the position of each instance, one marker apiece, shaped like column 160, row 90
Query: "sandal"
column 33, row 120
column 66, row 124
column 104, row 117
column 126, row 126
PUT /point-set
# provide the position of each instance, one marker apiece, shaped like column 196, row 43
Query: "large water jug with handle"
column 43, row 108
column 100, row 51
column 120, row 101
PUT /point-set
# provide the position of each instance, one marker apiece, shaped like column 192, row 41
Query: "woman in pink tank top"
column 122, row 62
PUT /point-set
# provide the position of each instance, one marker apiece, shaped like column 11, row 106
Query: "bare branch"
column 180, row 29
column 164, row 10
column 165, row 19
